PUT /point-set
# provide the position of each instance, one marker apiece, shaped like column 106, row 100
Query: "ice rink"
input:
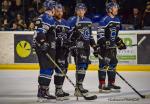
column 20, row 87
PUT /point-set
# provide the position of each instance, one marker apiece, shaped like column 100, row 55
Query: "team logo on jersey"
column 113, row 33
column 85, row 32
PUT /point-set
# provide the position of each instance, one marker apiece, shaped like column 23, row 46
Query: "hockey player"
column 107, row 41
column 81, row 27
column 44, row 42
column 62, row 34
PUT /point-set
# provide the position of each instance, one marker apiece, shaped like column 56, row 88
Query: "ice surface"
column 20, row 87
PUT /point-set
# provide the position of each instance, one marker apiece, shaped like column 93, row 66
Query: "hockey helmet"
column 111, row 5
column 49, row 4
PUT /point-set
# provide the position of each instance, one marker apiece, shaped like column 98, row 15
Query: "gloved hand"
column 44, row 47
column 96, row 51
column 104, row 43
column 120, row 44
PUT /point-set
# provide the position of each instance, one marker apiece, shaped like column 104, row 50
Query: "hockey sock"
column 59, row 80
column 101, row 76
column 80, row 75
column 111, row 76
column 44, row 78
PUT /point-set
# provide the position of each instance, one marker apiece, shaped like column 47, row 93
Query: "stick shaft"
column 85, row 97
column 142, row 39
column 142, row 96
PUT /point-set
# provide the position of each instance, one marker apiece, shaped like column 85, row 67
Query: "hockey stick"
column 139, row 43
column 137, row 92
column 142, row 96
column 78, row 19
column 85, row 97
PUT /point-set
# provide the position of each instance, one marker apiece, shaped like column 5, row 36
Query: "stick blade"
column 147, row 96
column 143, row 38
column 93, row 97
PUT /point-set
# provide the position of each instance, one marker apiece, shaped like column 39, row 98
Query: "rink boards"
column 16, row 52
column 92, row 67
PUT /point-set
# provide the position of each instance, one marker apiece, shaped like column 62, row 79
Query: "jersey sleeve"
column 43, row 24
column 92, row 41
column 101, row 30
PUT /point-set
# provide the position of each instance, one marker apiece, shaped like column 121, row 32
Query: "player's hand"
column 96, row 51
column 44, row 47
column 104, row 43
column 120, row 44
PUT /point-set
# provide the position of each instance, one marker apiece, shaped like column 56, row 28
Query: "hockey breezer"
column 93, row 97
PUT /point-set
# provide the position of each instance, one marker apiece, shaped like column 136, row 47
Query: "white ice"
column 20, row 87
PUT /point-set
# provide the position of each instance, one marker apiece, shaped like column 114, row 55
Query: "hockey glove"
column 104, row 43
column 44, row 47
column 120, row 44
column 96, row 51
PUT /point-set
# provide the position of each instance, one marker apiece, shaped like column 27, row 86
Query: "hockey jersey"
column 44, row 26
column 83, row 25
column 62, row 30
column 108, row 28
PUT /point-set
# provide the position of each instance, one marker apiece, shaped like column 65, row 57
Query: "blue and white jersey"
column 44, row 22
column 108, row 28
column 82, row 25
column 62, row 28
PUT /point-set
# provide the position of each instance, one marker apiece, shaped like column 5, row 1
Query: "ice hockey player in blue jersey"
column 62, row 51
column 107, row 40
column 82, row 38
column 44, row 42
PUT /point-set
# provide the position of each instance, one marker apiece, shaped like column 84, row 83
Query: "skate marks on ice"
column 118, row 94
column 20, row 87
column 111, row 98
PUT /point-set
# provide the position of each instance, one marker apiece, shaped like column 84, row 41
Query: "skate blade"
column 104, row 91
column 43, row 100
column 115, row 90
column 62, row 98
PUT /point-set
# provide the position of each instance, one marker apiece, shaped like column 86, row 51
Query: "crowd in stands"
column 18, row 15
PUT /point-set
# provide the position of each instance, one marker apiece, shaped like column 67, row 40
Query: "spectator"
column 5, row 6
column 14, row 26
column 146, row 18
column 20, row 22
column 4, row 23
column 31, row 26
column 135, row 19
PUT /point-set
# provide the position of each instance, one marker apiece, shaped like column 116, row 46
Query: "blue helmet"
column 110, row 5
column 59, row 6
column 80, row 6
column 49, row 4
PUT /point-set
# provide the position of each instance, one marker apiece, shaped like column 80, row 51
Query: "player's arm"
column 40, row 38
column 74, row 33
